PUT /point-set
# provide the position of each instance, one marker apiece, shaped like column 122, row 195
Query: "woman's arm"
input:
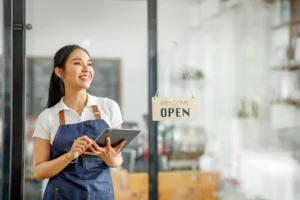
column 43, row 168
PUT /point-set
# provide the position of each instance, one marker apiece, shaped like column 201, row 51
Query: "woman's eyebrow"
column 80, row 59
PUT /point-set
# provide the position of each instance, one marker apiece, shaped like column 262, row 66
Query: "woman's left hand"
column 110, row 155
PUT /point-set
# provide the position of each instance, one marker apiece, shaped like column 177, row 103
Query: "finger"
column 85, row 138
column 97, row 147
column 81, row 147
column 81, row 142
column 84, row 148
column 90, row 153
column 85, row 144
column 120, row 146
column 94, row 151
column 108, row 143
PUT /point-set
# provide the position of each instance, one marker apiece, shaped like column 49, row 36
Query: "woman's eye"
column 77, row 63
column 90, row 64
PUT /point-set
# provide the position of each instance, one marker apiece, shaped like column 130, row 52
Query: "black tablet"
column 116, row 136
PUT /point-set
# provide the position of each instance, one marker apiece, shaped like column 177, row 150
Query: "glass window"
column 2, row 92
column 240, row 59
column 115, row 34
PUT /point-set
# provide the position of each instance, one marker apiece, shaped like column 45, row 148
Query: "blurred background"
column 242, row 59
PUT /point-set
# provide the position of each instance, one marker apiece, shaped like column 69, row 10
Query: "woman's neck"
column 76, row 100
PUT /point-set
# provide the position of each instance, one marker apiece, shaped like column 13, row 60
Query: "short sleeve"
column 41, row 129
column 115, row 115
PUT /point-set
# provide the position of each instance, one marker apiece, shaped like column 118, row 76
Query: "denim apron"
column 87, row 179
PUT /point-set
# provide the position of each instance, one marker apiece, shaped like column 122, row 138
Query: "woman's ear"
column 58, row 72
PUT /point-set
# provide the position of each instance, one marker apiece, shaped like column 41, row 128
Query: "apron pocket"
column 61, row 195
column 104, row 195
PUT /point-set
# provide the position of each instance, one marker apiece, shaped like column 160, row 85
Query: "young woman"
column 65, row 151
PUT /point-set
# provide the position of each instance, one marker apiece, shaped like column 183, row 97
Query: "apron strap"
column 96, row 112
column 62, row 120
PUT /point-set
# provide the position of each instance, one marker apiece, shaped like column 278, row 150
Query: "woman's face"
column 78, row 72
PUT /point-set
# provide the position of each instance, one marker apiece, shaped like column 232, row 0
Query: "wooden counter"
column 173, row 185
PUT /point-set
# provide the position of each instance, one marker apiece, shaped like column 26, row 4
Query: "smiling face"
column 78, row 73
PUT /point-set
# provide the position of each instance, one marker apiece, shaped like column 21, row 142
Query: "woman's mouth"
column 84, row 78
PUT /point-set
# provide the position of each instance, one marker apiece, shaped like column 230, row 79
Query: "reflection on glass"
column 2, row 91
column 248, row 113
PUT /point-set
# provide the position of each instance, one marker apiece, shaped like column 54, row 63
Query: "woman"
column 65, row 151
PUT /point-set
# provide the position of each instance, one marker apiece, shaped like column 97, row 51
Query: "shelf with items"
column 293, row 102
column 286, row 87
column 286, row 24
column 290, row 19
column 188, row 82
column 286, row 58
column 287, row 67
column 269, row 1
column 187, row 77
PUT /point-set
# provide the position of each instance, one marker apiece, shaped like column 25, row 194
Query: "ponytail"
column 56, row 90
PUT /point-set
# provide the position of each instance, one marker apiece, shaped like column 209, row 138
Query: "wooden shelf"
column 292, row 22
column 288, row 102
column 288, row 67
column 269, row 1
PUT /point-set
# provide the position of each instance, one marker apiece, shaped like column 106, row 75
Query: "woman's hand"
column 110, row 155
column 80, row 145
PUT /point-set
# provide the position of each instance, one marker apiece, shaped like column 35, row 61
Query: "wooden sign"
column 174, row 108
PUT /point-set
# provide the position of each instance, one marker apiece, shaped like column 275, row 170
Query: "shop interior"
column 242, row 60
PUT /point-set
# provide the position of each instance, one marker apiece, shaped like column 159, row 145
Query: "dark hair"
column 56, row 86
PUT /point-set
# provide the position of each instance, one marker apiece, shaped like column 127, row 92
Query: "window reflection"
column 242, row 62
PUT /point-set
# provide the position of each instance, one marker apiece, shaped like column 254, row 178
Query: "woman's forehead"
column 79, row 54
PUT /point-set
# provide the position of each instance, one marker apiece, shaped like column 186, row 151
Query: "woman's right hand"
column 80, row 145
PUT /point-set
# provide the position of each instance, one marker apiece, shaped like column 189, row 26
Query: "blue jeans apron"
column 87, row 179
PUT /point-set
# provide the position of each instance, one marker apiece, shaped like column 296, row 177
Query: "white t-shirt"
column 48, row 121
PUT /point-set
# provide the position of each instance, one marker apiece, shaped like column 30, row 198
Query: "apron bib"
column 87, row 179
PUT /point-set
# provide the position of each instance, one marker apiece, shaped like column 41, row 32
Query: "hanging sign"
column 174, row 108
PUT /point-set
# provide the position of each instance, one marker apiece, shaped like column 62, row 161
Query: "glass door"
column 115, row 34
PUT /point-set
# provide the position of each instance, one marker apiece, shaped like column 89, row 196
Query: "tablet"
column 116, row 136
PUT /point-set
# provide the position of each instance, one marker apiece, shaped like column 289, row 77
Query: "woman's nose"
column 85, row 67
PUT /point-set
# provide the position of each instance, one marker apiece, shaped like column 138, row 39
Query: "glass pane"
column 248, row 113
column 115, row 34
column 2, row 92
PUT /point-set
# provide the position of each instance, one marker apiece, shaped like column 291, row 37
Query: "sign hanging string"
column 176, row 49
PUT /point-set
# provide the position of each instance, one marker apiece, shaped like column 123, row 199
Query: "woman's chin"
column 85, row 86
